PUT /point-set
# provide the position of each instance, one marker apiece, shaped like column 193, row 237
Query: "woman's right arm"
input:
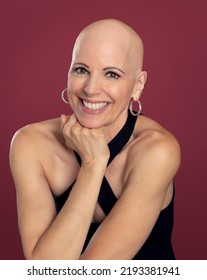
column 44, row 234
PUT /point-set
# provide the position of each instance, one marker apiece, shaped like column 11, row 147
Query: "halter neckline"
column 107, row 198
column 119, row 140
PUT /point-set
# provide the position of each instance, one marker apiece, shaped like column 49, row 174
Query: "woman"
column 97, row 184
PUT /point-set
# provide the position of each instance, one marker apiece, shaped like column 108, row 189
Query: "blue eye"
column 80, row 70
column 112, row 75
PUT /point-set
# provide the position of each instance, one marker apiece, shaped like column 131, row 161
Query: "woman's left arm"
column 152, row 166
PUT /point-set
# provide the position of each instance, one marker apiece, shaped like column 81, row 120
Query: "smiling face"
column 103, row 77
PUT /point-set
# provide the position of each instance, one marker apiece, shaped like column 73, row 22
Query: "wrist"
column 95, row 165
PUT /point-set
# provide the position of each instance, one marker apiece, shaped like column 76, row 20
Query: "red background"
column 36, row 43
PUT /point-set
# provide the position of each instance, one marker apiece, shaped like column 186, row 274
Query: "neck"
column 112, row 129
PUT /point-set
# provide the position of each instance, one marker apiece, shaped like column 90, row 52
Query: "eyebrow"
column 113, row 67
column 106, row 68
column 80, row 63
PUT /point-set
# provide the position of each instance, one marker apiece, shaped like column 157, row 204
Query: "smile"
column 94, row 106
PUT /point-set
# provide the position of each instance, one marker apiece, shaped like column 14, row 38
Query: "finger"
column 73, row 119
column 69, row 124
column 63, row 120
column 102, row 130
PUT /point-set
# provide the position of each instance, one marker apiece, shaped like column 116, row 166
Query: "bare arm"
column 153, row 166
column 45, row 235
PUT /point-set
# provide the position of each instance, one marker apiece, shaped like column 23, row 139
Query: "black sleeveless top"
column 158, row 245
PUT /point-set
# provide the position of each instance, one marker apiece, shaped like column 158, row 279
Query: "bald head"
column 113, row 34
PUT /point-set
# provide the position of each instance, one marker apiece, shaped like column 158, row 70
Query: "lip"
column 89, row 111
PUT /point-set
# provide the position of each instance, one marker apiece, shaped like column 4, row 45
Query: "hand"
column 89, row 143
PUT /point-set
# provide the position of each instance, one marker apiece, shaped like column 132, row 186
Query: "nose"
column 92, row 85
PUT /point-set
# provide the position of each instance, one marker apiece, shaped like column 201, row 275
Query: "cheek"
column 72, row 90
column 71, row 93
column 123, row 94
column 71, row 85
column 75, row 85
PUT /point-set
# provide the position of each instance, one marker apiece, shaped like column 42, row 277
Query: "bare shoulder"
column 37, row 134
column 156, row 144
column 34, row 144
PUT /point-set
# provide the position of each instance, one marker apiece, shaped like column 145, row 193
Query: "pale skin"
column 141, row 176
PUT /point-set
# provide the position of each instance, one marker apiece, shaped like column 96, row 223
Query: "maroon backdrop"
column 36, row 43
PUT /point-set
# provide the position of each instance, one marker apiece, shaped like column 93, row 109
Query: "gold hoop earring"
column 63, row 96
column 134, row 113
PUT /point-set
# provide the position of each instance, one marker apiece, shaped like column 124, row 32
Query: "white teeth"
column 94, row 106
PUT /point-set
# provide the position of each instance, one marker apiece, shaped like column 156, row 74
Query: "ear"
column 139, row 85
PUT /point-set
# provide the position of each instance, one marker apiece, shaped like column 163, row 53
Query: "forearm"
column 65, row 237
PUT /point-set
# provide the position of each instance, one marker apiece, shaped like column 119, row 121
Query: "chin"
column 89, row 124
column 90, row 121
